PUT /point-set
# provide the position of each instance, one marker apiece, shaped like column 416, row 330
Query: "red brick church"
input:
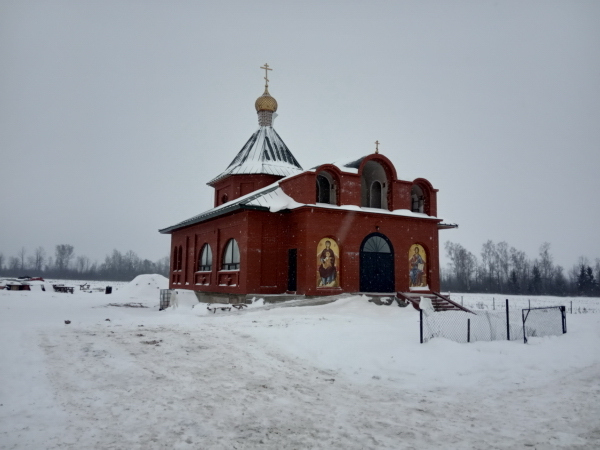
column 275, row 228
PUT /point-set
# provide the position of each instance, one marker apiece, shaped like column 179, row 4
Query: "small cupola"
column 265, row 105
column 264, row 153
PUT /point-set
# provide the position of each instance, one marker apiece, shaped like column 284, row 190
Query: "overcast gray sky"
column 114, row 114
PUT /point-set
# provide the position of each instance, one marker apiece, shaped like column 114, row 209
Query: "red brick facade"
column 267, row 240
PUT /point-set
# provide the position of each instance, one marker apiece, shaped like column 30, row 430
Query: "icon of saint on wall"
column 417, row 264
column 328, row 259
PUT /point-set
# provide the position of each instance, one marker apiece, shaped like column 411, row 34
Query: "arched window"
column 205, row 259
column 376, row 244
column 374, row 186
column 180, row 258
column 231, row 256
column 375, row 194
column 323, row 189
column 326, row 188
column 417, row 199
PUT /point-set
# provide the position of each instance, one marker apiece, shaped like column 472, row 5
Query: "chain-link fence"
column 538, row 322
column 481, row 325
column 573, row 305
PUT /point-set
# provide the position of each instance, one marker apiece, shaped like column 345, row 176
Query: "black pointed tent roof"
column 266, row 153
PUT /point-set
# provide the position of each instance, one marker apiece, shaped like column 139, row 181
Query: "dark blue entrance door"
column 376, row 264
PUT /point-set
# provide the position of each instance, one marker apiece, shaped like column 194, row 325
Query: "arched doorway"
column 376, row 264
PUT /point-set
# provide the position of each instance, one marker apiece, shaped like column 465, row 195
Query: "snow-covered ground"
column 344, row 375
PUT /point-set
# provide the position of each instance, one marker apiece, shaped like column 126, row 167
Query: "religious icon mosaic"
column 328, row 262
column 417, row 263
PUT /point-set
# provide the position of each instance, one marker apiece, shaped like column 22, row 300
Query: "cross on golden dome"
column 376, row 147
column 267, row 68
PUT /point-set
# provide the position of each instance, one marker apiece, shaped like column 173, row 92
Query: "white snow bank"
column 144, row 288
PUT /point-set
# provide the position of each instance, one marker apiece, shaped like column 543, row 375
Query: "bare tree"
column 2, row 259
column 163, row 265
column 463, row 264
column 13, row 264
column 519, row 270
column 39, row 257
column 82, row 264
column 22, row 254
column 489, row 261
column 502, row 262
column 64, row 254
column 546, row 267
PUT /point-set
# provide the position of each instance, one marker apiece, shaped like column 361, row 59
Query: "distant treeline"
column 502, row 269
column 506, row 270
column 66, row 265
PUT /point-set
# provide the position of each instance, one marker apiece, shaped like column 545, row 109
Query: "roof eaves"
column 447, row 226
column 224, row 209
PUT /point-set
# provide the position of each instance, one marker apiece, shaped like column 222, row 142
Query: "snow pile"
column 279, row 200
column 257, row 303
column 182, row 298
column 144, row 288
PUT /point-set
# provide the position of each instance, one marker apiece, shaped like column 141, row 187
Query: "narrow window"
column 180, row 258
column 417, row 199
column 231, row 256
column 175, row 259
column 375, row 194
column 326, row 188
column 205, row 260
column 323, row 189
column 374, row 186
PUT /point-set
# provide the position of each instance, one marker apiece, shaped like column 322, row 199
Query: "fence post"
column 494, row 302
column 571, row 306
column 529, row 300
column 468, row 330
column 523, row 320
column 564, row 318
column 421, row 322
column 461, row 301
column 507, row 323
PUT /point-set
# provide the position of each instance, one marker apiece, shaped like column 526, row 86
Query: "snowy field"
column 490, row 302
column 344, row 375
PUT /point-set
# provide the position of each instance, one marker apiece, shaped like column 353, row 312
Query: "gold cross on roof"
column 267, row 68
column 376, row 147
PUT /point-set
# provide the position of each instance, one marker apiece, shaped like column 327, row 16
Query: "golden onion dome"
column 265, row 102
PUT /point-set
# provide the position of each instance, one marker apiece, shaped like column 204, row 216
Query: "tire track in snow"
column 215, row 387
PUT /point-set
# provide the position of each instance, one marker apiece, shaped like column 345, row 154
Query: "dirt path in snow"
column 214, row 387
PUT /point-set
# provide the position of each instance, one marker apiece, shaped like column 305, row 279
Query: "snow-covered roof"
column 272, row 198
column 243, row 202
column 348, row 165
column 406, row 172
column 266, row 153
